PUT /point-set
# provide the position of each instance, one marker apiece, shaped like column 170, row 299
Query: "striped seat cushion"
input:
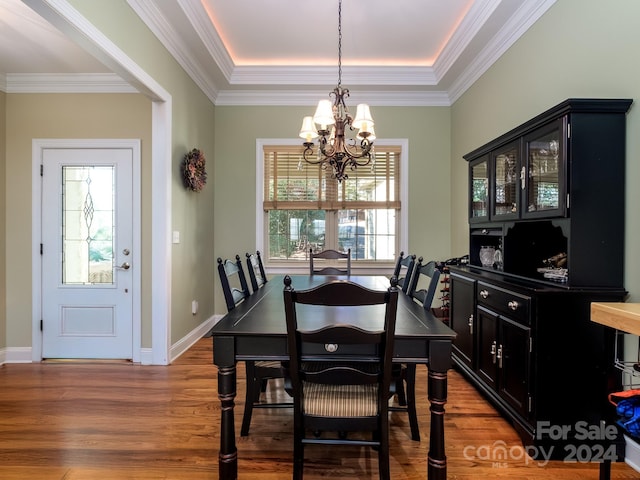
column 269, row 364
column 340, row 400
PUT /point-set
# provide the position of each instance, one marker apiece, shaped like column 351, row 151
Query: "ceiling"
column 285, row 52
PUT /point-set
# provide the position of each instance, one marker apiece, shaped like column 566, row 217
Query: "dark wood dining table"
column 256, row 330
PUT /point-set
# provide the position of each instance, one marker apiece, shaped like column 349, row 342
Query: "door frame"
column 38, row 146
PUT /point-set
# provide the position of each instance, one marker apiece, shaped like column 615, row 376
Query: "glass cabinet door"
column 543, row 174
column 505, row 182
column 479, row 186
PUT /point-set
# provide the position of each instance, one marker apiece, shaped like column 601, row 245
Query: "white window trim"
column 358, row 268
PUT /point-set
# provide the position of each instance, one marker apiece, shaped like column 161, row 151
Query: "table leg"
column 437, row 460
column 439, row 364
column 228, row 456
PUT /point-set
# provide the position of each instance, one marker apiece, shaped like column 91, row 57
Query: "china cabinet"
column 546, row 202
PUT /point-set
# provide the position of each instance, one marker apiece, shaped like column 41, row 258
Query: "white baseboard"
column 185, row 343
column 23, row 354
column 16, row 355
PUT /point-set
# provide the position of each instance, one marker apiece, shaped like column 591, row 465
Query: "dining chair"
column 404, row 374
column 257, row 275
column 342, row 265
column 341, row 378
column 426, row 277
column 257, row 373
column 234, row 283
column 404, row 266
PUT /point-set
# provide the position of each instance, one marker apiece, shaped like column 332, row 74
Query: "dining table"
column 256, row 330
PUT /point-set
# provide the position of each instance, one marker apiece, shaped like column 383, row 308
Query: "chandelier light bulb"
column 369, row 134
column 324, row 114
column 363, row 119
column 308, row 130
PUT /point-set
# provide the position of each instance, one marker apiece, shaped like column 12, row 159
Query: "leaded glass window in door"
column 88, row 223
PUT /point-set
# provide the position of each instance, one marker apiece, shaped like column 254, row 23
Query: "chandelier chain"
column 337, row 153
column 339, row 43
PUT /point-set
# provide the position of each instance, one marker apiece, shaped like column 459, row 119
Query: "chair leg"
column 298, row 453
column 383, row 454
column 398, row 375
column 411, row 402
column 251, row 395
column 402, row 398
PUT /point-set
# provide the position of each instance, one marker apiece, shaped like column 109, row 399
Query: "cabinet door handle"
column 513, row 305
column 471, row 324
column 523, row 177
column 493, row 352
column 499, row 355
column 484, row 293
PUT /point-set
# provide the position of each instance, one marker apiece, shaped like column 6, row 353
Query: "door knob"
column 124, row 266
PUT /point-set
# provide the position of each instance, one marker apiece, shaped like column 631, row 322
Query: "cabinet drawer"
column 506, row 302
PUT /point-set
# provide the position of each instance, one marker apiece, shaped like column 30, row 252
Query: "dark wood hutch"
column 546, row 238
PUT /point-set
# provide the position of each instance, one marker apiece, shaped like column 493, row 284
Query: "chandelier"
column 335, row 151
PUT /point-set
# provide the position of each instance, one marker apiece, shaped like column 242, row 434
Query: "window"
column 304, row 208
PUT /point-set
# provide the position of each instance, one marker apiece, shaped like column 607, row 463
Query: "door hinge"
column 41, row 248
column 41, row 325
column 529, row 403
column 530, row 345
column 568, row 130
column 41, row 170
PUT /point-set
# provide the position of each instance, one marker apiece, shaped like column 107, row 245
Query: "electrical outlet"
column 194, row 307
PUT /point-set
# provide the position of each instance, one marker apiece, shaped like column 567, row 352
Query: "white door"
column 87, row 253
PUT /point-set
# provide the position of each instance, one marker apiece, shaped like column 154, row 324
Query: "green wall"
column 129, row 116
column 579, row 48
column 48, row 116
column 237, row 128
column 193, row 124
column 3, row 230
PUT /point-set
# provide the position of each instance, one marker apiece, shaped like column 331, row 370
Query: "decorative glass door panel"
column 506, row 179
column 479, row 186
column 88, row 211
column 543, row 175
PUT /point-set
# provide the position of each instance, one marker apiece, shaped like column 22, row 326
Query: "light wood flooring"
column 110, row 420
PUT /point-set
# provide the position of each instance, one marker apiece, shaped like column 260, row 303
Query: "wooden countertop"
column 621, row 316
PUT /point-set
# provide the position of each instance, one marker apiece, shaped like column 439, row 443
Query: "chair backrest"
column 234, row 283
column 404, row 276
column 339, row 352
column 257, row 276
column 325, row 255
column 424, row 283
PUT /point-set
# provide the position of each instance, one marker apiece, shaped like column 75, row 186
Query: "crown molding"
column 66, row 83
column 156, row 21
column 328, row 75
column 307, row 98
column 479, row 13
column 518, row 24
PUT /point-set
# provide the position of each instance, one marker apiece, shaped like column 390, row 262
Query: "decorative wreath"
column 195, row 176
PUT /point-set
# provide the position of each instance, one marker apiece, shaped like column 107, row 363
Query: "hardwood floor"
column 99, row 421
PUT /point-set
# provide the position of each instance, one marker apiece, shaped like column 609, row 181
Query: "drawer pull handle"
column 484, row 293
column 331, row 347
column 513, row 305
